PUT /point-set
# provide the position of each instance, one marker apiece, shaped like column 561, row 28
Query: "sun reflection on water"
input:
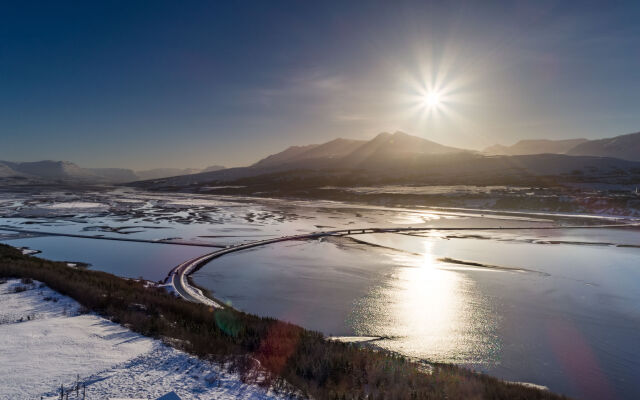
column 428, row 304
column 428, row 312
column 415, row 218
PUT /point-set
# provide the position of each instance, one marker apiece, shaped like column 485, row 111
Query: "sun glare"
column 432, row 99
column 435, row 91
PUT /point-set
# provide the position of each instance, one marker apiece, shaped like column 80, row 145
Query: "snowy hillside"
column 47, row 342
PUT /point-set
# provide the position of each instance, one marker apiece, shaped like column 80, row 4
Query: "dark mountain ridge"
column 351, row 153
column 626, row 147
column 402, row 157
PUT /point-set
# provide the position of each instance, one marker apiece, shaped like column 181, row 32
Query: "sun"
column 432, row 99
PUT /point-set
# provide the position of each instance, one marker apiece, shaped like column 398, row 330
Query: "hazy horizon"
column 188, row 86
column 260, row 157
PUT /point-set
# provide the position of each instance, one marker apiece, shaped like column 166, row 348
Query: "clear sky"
column 189, row 84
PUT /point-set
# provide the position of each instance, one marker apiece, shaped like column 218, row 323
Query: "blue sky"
column 191, row 84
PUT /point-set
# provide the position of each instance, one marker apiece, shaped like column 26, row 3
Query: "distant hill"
column 626, row 147
column 46, row 171
column 397, row 145
column 338, row 153
column 350, row 153
column 212, row 168
column 115, row 175
column 158, row 173
column 42, row 172
column 8, row 172
column 53, row 170
column 334, row 149
column 287, row 155
column 542, row 146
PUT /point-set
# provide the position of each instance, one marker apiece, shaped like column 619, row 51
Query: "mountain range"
column 625, row 147
column 395, row 156
column 347, row 153
column 48, row 171
column 400, row 157
column 541, row 146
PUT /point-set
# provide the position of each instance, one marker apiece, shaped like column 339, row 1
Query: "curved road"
column 178, row 276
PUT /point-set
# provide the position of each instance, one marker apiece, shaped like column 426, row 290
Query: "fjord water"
column 562, row 315
column 128, row 259
column 554, row 307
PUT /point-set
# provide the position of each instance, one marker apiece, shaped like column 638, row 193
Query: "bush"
column 20, row 288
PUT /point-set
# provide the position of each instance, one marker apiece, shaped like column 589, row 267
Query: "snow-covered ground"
column 76, row 204
column 47, row 342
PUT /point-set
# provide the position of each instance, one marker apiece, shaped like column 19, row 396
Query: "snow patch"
column 46, row 342
column 74, row 204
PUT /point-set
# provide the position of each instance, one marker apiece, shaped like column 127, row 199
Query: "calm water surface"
column 561, row 315
column 129, row 259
